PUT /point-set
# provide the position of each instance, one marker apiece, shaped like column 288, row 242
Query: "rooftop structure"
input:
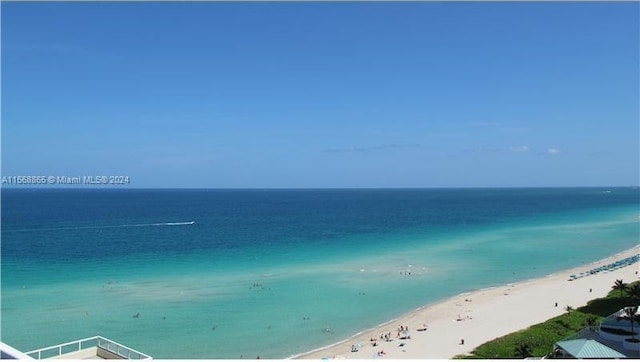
column 611, row 339
column 8, row 352
column 89, row 348
column 587, row 348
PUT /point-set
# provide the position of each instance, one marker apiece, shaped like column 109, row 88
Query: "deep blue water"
column 72, row 224
column 295, row 241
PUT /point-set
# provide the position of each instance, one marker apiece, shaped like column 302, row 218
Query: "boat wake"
column 174, row 223
column 181, row 223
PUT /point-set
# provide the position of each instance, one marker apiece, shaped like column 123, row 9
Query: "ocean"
column 273, row 273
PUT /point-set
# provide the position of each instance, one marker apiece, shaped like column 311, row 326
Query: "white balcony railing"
column 99, row 342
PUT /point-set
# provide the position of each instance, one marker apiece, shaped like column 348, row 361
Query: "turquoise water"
column 278, row 272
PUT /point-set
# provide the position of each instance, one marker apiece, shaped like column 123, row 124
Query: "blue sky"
column 237, row 95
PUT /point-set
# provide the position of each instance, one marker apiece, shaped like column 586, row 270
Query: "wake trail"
column 180, row 223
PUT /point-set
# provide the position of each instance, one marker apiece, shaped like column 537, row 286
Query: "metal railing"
column 120, row 350
column 619, row 314
column 99, row 342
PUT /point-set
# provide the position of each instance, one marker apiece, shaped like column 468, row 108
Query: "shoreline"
column 481, row 315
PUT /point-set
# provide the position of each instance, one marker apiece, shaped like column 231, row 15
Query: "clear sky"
column 236, row 95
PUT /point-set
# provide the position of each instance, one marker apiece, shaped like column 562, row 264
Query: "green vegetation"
column 634, row 292
column 538, row 340
column 620, row 285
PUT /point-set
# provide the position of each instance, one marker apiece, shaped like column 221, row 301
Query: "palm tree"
column 633, row 291
column 619, row 285
column 523, row 350
column 568, row 309
column 591, row 322
column 630, row 312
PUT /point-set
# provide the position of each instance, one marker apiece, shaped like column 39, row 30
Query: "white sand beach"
column 483, row 315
